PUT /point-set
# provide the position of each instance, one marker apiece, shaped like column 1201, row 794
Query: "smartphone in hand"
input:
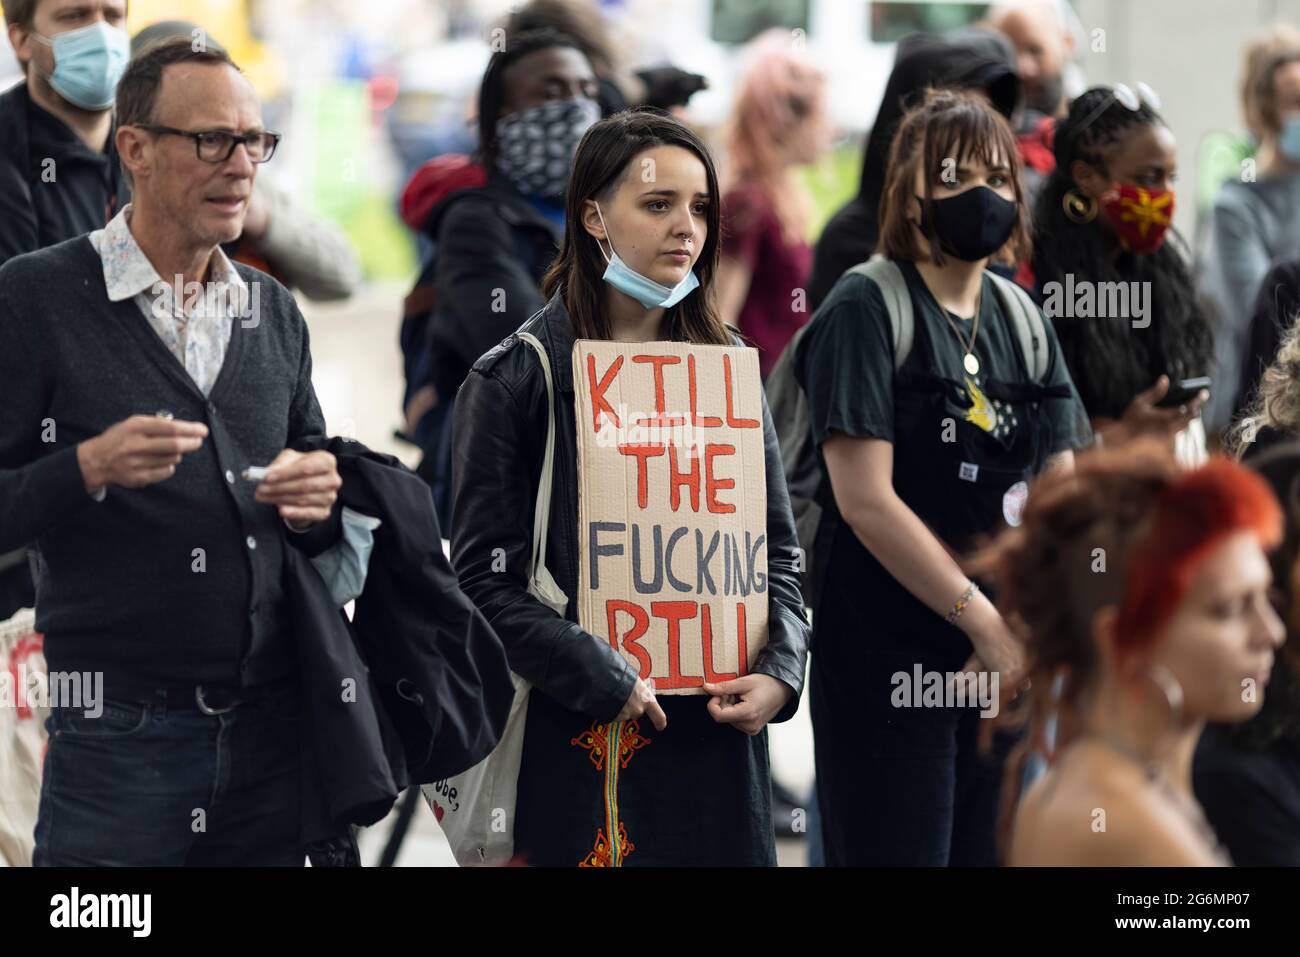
column 1182, row 391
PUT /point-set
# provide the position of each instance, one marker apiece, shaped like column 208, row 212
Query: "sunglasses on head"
column 1129, row 98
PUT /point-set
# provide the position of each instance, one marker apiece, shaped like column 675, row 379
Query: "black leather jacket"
column 499, row 437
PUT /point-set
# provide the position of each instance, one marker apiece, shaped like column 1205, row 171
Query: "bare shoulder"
column 1095, row 810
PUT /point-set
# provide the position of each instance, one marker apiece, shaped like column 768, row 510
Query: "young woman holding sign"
column 936, row 393
column 612, row 775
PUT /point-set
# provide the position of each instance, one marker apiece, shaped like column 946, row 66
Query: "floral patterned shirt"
column 195, row 327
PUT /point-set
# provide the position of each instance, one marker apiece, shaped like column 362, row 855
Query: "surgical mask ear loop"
column 607, row 239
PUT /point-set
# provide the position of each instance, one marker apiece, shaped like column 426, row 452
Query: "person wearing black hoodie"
column 968, row 60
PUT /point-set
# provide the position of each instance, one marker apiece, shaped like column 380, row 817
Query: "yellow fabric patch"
column 981, row 413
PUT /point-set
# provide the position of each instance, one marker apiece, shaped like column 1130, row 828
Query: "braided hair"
column 1109, row 360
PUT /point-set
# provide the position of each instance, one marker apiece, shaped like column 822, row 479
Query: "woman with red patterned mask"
column 1114, row 275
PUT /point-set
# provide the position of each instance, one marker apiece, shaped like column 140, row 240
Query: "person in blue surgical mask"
column 59, row 173
column 1256, row 218
column 689, row 781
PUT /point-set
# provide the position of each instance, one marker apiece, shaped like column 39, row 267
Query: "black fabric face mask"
column 971, row 225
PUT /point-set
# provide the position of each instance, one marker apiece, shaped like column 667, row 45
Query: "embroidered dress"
column 621, row 794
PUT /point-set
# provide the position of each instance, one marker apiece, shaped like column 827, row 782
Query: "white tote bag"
column 476, row 809
column 22, row 736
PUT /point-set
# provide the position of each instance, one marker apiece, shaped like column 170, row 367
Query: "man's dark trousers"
column 153, row 784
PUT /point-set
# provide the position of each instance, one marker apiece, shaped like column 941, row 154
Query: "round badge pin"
column 1013, row 503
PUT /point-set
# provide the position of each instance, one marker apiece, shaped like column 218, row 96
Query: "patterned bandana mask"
column 535, row 147
column 1139, row 216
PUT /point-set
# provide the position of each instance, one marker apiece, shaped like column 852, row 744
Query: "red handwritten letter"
column 598, row 402
column 732, row 421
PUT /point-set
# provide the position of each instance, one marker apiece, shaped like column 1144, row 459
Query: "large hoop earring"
column 1079, row 207
column 1163, row 679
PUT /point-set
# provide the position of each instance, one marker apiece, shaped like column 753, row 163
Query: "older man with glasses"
column 128, row 418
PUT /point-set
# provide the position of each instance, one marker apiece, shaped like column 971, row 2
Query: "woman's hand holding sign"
column 642, row 701
column 749, row 702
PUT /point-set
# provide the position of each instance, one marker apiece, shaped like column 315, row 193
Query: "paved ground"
column 358, row 376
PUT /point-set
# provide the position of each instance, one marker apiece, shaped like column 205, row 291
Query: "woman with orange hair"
column 778, row 122
column 1247, row 775
column 1142, row 593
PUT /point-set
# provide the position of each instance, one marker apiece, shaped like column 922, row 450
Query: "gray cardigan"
column 179, row 582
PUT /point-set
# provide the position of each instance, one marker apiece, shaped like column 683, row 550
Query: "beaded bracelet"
column 960, row 605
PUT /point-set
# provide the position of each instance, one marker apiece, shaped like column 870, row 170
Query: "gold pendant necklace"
column 969, row 360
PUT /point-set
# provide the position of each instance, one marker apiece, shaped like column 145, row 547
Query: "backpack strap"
column 898, row 302
column 1027, row 321
column 1025, row 316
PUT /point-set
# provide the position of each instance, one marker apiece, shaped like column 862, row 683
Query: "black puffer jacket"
column 503, row 407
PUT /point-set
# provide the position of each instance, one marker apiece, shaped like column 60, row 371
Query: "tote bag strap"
column 542, row 510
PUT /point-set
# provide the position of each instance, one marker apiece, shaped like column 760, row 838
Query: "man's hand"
column 749, row 702
column 138, row 451
column 303, row 485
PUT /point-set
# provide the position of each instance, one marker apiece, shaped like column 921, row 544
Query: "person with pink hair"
column 778, row 122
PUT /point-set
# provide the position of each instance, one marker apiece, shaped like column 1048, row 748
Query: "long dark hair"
column 1110, row 361
column 602, row 158
column 491, row 91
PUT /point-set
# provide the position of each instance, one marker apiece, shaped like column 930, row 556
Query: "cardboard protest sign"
column 672, row 507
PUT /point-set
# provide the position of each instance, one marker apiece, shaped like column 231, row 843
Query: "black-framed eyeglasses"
column 217, row 146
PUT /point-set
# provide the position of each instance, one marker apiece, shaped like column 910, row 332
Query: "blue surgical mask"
column 643, row 289
column 346, row 563
column 1288, row 142
column 88, row 62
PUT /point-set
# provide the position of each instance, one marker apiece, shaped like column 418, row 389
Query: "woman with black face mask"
column 936, row 393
